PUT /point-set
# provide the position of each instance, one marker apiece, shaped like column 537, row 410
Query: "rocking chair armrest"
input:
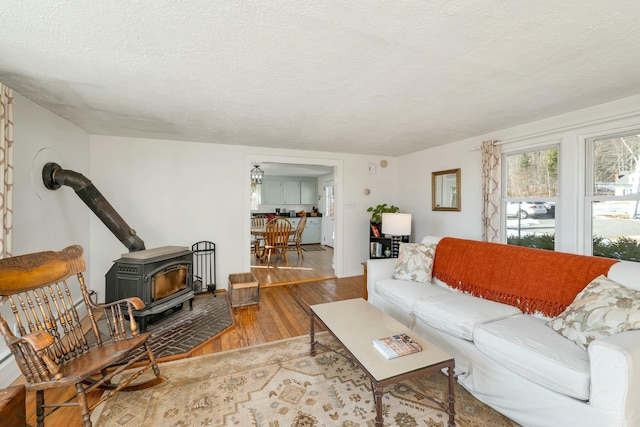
column 39, row 340
column 135, row 302
column 117, row 312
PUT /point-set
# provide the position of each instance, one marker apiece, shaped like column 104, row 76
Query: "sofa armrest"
column 378, row 269
column 615, row 374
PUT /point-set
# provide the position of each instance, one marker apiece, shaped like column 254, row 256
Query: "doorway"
column 322, row 261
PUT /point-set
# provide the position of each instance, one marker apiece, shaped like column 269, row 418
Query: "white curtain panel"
column 256, row 196
column 6, row 168
column 490, row 191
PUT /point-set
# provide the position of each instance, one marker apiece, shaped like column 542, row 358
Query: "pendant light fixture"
column 256, row 175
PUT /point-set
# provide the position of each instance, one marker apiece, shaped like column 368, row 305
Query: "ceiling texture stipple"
column 382, row 78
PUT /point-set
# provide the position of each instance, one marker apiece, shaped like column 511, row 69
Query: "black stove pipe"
column 54, row 177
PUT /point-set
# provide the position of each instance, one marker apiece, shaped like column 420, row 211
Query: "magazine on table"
column 396, row 346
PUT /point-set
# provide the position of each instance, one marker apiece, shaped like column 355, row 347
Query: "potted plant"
column 376, row 212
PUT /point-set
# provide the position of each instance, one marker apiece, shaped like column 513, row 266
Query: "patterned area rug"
column 279, row 384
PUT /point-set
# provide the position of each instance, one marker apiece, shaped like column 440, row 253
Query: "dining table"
column 260, row 233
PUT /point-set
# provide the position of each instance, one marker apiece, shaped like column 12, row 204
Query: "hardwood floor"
column 280, row 314
column 316, row 265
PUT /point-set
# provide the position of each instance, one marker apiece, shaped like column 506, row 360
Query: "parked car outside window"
column 526, row 209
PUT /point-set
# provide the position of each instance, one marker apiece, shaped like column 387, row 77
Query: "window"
column 530, row 194
column 612, row 196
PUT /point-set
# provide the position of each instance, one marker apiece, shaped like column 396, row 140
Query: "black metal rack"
column 204, row 267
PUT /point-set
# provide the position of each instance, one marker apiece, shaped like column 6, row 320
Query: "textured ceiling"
column 376, row 77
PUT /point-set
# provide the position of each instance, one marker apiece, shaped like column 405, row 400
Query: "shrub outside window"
column 529, row 201
column 613, row 196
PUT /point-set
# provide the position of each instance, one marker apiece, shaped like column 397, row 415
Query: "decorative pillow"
column 415, row 262
column 603, row 308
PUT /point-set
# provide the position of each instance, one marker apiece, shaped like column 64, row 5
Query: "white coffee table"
column 355, row 324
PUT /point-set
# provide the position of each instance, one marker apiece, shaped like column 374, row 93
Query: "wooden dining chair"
column 257, row 221
column 295, row 241
column 276, row 239
column 56, row 345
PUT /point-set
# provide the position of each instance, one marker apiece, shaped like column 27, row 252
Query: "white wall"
column 177, row 193
column 568, row 130
column 415, row 191
column 43, row 219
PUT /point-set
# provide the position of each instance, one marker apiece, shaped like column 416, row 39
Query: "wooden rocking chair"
column 53, row 348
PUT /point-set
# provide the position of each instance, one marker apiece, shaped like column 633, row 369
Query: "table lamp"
column 398, row 226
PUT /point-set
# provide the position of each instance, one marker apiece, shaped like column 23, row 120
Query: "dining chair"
column 257, row 221
column 276, row 239
column 295, row 240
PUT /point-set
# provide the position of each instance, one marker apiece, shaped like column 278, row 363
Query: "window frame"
column 588, row 179
column 504, row 199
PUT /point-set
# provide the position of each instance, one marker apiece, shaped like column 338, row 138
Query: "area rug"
column 280, row 385
column 312, row 248
column 186, row 329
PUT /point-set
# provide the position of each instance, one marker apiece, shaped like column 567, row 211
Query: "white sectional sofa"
column 506, row 355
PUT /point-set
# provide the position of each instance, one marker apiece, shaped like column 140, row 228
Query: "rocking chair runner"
column 53, row 348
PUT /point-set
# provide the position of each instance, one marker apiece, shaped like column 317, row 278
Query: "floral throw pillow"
column 603, row 308
column 415, row 262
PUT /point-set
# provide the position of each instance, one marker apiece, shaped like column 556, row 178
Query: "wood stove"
column 162, row 278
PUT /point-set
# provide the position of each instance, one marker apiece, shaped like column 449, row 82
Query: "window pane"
column 615, row 222
column 616, row 232
column 532, row 186
column 531, row 224
column 533, row 174
column 615, row 169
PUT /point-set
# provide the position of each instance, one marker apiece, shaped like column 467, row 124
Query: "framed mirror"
column 445, row 190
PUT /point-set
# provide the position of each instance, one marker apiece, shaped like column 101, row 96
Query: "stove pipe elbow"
column 53, row 177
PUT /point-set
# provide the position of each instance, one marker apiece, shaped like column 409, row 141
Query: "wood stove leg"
column 142, row 323
column 191, row 304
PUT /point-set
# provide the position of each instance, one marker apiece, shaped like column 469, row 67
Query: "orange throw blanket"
column 534, row 280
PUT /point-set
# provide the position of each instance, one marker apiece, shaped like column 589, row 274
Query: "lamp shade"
column 396, row 224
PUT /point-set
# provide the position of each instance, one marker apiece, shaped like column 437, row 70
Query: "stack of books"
column 396, row 346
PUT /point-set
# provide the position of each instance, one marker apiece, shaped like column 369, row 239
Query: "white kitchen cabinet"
column 271, row 192
column 312, row 231
column 291, row 192
column 286, row 190
column 309, row 192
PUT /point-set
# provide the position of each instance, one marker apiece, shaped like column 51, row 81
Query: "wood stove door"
column 169, row 280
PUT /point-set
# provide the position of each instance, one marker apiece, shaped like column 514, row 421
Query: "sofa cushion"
column 415, row 262
column 528, row 347
column 458, row 314
column 603, row 308
column 405, row 293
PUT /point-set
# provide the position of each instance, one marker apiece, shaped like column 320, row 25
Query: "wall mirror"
column 445, row 190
